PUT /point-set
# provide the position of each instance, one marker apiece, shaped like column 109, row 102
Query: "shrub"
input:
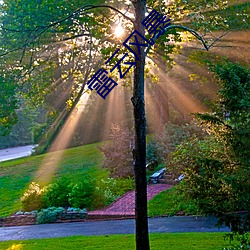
column 152, row 156
column 57, row 193
column 109, row 189
column 103, row 194
column 48, row 215
column 166, row 141
column 81, row 194
column 243, row 242
column 33, row 197
column 118, row 153
column 73, row 209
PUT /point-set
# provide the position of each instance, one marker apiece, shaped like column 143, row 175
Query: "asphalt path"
column 17, row 152
column 178, row 224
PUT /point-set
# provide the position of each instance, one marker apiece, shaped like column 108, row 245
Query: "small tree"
column 118, row 156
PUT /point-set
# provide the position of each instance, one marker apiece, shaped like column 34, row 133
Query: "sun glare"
column 119, row 30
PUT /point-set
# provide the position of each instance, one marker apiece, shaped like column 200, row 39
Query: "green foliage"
column 236, row 16
column 48, row 215
column 91, row 193
column 205, row 175
column 151, row 154
column 242, row 241
column 57, row 193
column 216, row 168
column 81, row 194
column 21, row 132
column 38, row 131
column 108, row 190
column 166, row 141
column 103, row 193
column 8, row 105
column 32, row 198
column 118, row 153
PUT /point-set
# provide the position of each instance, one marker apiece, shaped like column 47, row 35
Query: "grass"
column 169, row 203
column 170, row 241
column 16, row 175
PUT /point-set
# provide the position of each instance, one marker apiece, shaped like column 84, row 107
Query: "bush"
column 57, row 193
column 243, row 242
column 33, row 197
column 48, row 215
column 152, row 155
column 166, row 141
column 118, row 153
column 103, row 194
column 81, row 194
column 109, row 189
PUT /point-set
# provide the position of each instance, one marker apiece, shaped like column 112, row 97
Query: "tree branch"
column 194, row 33
column 42, row 29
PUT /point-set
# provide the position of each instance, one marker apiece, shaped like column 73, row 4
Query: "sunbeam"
column 51, row 161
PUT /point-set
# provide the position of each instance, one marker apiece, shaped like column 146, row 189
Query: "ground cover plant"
column 170, row 241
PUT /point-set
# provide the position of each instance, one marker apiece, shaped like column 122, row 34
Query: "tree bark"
column 139, row 151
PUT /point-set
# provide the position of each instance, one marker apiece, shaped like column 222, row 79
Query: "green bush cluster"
column 57, row 193
column 61, row 193
column 87, row 193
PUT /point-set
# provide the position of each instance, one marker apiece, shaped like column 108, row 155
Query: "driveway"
column 156, row 225
column 14, row 153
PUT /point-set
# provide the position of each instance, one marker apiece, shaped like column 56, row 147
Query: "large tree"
column 64, row 41
column 216, row 167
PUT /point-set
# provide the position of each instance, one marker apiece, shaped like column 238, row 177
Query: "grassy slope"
column 16, row 175
column 173, row 241
column 169, row 203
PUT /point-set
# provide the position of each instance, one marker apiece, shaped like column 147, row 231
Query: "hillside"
column 16, row 175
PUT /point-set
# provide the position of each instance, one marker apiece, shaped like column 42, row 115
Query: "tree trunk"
column 139, row 151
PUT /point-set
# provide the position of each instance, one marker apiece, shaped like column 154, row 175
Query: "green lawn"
column 169, row 202
column 171, row 241
column 16, row 175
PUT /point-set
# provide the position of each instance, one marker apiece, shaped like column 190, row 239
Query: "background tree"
column 118, row 156
column 8, row 105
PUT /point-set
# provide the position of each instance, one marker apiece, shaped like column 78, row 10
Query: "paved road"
column 156, row 225
column 14, row 153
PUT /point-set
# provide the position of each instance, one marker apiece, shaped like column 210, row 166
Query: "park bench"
column 155, row 177
column 182, row 176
